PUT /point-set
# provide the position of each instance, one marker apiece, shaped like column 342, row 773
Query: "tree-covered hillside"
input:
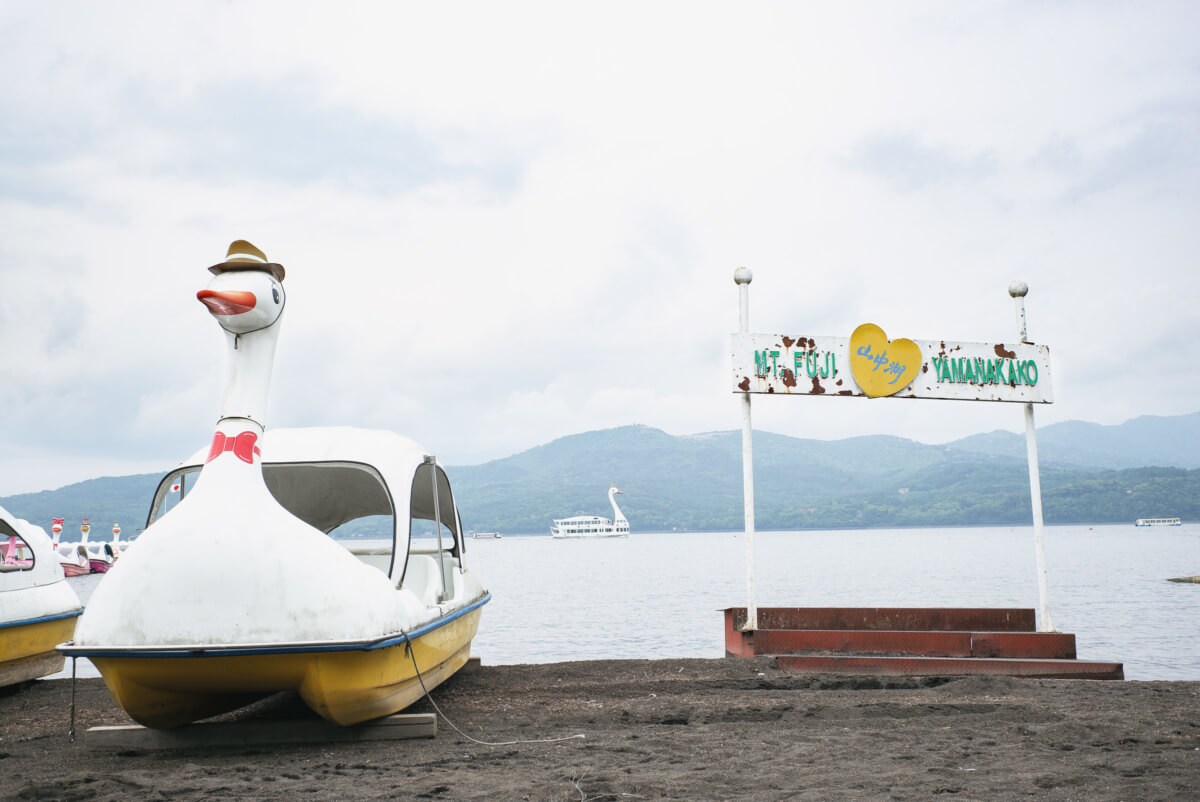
column 110, row 498
column 694, row 482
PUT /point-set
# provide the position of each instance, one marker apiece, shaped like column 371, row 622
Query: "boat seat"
column 421, row 577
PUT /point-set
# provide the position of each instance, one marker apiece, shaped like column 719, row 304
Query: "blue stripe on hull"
column 42, row 619
column 238, row 651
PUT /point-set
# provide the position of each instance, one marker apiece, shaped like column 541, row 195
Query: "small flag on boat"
column 175, row 487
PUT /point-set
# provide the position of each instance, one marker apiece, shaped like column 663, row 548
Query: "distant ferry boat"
column 1157, row 522
column 593, row 525
column 486, row 535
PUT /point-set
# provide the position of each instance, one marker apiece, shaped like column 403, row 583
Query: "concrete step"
column 956, row 619
column 909, row 641
column 949, row 666
column 1055, row 645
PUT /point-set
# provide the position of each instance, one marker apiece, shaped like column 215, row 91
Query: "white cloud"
column 503, row 224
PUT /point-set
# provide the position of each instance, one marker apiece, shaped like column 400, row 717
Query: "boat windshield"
column 343, row 499
column 350, row 502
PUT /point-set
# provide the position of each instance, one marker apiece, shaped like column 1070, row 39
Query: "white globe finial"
column 1018, row 289
column 743, row 275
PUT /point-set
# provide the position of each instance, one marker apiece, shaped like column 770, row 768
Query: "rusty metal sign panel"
column 868, row 364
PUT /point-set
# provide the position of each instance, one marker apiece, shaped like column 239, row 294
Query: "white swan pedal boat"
column 342, row 626
column 38, row 609
column 235, row 590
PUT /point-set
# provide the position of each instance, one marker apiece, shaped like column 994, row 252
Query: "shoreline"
column 688, row 729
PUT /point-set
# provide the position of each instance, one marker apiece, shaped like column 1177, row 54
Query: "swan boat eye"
column 275, row 292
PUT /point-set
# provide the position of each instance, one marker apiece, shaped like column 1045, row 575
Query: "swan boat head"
column 618, row 517
column 246, row 298
column 229, row 565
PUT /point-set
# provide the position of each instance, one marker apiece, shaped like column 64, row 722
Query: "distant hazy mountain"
column 1146, row 441
column 1090, row 473
column 125, row 499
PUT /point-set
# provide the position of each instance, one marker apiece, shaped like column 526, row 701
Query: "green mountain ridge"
column 1149, row 466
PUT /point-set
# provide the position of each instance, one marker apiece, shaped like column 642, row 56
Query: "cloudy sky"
column 505, row 223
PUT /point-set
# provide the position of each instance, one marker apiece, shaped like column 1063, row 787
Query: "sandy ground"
column 663, row 729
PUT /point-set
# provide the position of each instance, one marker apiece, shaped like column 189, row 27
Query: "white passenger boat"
column 1157, row 522
column 593, row 525
column 235, row 590
column 38, row 609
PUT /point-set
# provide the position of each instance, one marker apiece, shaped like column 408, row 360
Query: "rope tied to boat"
column 413, row 657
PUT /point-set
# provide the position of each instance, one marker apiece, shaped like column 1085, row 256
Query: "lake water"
column 660, row 595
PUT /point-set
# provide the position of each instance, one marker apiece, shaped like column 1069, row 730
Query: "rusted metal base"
column 910, row 641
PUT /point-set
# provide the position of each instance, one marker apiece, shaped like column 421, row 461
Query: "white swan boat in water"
column 593, row 525
column 38, row 609
column 235, row 590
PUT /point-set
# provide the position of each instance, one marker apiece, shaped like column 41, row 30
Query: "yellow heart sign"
column 882, row 367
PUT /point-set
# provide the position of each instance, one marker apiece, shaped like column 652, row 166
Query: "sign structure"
column 868, row 364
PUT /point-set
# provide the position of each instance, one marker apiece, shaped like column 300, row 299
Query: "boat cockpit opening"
column 435, row 534
column 15, row 553
column 422, row 512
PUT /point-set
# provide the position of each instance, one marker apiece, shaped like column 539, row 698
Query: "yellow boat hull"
column 27, row 650
column 345, row 687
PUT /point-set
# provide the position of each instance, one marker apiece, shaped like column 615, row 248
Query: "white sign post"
column 868, row 364
column 1018, row 291
column 742, row 277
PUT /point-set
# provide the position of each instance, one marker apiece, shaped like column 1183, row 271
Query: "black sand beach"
column 688, row 729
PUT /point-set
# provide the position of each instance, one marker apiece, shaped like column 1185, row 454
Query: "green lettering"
column 760, row 363
column 1031, row 372
column 969, row 371
column 990, row 376
column 956, row 370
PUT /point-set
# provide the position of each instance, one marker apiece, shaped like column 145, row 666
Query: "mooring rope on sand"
column 408, row 648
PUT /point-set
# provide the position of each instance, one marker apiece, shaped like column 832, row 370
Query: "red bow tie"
column 242, row 446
